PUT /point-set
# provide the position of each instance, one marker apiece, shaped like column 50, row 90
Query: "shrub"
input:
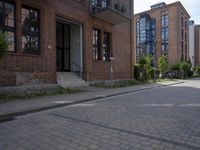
column 163, row 65
column 3, row 45
column 197, row 71
column 175, row 67
column 185, row 67
column 145, row 67
column 137, row 71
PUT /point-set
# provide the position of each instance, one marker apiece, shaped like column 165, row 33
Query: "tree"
column 145, row 66
column 163, row 64
column 3, row 45
column 185, row 67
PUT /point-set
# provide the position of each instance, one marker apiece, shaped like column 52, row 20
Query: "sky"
column 192, row 7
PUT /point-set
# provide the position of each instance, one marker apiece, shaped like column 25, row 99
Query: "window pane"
column 59, row 35
column 30, row 44
column 7, row 19
column 30, row 20
column 9, row 15
column 1, row 13
column 106, row 46
column 96, row 44
column 66, row 36
column 30, row 31
column 11, row 40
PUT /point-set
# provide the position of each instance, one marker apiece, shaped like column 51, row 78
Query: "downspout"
column 131, row 30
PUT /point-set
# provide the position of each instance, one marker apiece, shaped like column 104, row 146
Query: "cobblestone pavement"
column 165, row 118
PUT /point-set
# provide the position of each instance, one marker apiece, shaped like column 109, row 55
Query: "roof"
column 166, row 6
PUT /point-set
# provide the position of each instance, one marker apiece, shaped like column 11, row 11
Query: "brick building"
column 162, row 30
column 191, row 42
column 92, row 38
column 197, row 44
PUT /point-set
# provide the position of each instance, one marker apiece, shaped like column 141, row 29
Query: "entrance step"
column 70, row 79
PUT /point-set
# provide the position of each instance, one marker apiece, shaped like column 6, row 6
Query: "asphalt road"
column 165, row 118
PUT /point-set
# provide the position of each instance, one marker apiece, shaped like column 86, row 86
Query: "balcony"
column 112, row 11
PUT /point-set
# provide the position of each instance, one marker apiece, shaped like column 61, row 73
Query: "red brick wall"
column 197, row 45
column 43, row 66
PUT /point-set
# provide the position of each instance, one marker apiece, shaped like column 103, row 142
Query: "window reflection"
column 30, row 30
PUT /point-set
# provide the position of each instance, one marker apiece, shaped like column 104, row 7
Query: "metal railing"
column 116, row 5
column 77, row 69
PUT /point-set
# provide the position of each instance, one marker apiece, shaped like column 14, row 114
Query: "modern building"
column 51, row 40
column 191, row 43
column 197, row 44
column 163, row 30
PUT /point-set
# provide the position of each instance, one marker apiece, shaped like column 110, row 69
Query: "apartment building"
column 191, row 43
column 49, row 40
column 197, row 44
column 162, row 30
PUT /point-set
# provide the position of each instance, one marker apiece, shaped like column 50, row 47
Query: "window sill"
column 24, row 54
column 102, row 61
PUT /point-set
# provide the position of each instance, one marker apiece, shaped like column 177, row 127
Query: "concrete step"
column 66, row 76
column 70, row 79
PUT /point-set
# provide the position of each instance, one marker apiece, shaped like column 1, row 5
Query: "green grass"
column 126, row 83
column 8, row 96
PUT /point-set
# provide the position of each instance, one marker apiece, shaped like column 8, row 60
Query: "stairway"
column 70, row 79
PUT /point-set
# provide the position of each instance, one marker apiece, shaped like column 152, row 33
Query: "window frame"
column 4, row 28
column 96, row 46
column 109, row 41
column 29, row 33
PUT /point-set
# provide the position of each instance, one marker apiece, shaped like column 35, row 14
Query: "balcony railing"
column 112, row 11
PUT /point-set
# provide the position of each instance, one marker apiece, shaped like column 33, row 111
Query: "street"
column 162, row 118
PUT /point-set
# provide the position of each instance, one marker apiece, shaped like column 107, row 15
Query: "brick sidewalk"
column 19, row 107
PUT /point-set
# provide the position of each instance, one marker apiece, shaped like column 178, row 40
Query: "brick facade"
column 42, row 68
column 175, row 12
column 197, row 45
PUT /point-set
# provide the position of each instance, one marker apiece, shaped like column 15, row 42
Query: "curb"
column 11, row 116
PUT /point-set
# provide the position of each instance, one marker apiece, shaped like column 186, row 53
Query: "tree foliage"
column 3, row 45
column 163, row 64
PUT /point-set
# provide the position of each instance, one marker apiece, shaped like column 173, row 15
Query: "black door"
column 63, row 47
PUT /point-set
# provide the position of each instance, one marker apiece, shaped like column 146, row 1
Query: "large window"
column 106, row 46
column 101, row 45
column 96, row 44
column 164, row 20
column 7, row 22
column 30, row 30
column 164, row 34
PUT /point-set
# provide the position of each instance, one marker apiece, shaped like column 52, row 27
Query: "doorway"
column 63, row 47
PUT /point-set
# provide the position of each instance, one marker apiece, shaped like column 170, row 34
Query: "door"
column 63, row 47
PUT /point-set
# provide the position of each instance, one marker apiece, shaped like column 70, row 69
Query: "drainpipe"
column 131, row 30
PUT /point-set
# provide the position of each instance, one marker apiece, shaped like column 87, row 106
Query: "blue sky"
column 192, row 6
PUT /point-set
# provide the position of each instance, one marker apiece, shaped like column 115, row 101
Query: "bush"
column 3, row 45
column 197, row 71
column 175, row 67
column 137, row 71
column 185, row 67
column 163, row 65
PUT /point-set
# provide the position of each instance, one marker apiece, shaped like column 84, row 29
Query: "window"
column 106, row 46
column 165, row 33
column 165, row 47
column 186, row 36
column 30, row 30
column 182, row 34
column 137, row 27
column 7, row 22
column 164, row 20
column 96, row 44
column 182, row 22
column 100, row 3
